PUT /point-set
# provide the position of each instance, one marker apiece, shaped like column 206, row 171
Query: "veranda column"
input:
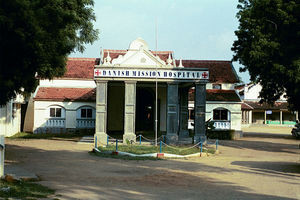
column 200, row 102
column 184, row 113
column 281, row 117
column 250, row 117
column 172, row 113
column 101, row 113
column 129, row 111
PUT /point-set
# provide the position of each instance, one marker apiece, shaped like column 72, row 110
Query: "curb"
column 155, row 155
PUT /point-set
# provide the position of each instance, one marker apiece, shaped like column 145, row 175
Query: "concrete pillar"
column 129, row 111
column 265, row 117
column 172, row 113
column 2, row 153
column 184, row 113
column 200, row 102
column 281, row 117
column 250, row 117
column 101, row 113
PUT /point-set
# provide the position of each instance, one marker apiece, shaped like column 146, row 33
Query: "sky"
column 192, row 29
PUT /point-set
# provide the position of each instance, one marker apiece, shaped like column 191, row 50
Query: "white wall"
column 251, row 92
column 235, row 112
column 10, row 119
column 42, row 114
column 234, row 108
column 225, row 86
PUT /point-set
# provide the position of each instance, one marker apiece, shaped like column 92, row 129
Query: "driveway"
column 259, row 166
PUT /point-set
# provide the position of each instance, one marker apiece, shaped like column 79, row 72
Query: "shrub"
column 220, row 134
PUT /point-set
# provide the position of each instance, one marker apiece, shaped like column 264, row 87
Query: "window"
column 86, row 113
column 220, row 114
column 55, row 112
column 217, row 86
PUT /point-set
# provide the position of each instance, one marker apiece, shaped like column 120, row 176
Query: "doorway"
column 145, row 109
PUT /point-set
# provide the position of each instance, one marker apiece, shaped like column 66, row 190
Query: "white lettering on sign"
column 163, row 74
column 269, row 112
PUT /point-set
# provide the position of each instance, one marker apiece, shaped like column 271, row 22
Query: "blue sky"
column 193, row 29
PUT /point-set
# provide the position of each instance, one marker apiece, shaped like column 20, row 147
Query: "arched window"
column 55, row 111
column 221, row 114
column 86, row 112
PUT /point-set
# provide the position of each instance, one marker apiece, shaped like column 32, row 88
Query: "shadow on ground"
column 75, row 173
column 274, row 168
column 269, row 146
column 267, row 135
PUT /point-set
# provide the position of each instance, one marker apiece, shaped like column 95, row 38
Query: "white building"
column 253, row 112
column 223, row 104
column 68, row 104
column 10, row 117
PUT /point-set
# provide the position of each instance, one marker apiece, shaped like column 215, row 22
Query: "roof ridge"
column 84, row 58
column 248, row 105
column 219, row 61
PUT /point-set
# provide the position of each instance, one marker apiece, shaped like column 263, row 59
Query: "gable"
column 138, row 54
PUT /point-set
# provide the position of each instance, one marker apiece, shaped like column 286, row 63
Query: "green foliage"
column 268, row 46
column 23, row 190
column 209, row 126
column 23, row 135
column 108, row 155
column 36, row 37
column 142, row 149
column 221, row 135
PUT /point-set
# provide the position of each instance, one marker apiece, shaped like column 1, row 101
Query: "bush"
column 220, row 134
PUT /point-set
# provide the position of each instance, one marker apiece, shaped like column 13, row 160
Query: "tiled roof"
column 264, row 106
column 222, row 95
column 219, row 71
column 80, row 68
column 66, row 94
column 246, row 106
column 218, row 95
column 239, row 87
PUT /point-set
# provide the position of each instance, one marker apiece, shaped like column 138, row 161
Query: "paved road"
column 259, row 166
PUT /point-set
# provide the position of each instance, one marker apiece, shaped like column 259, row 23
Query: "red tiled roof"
column 219, row 71
column 222, row 95
column 264, row 106
column 80, row 68
column 239, row 87
column 66, row 94
column 245, row 106
column 218, row 95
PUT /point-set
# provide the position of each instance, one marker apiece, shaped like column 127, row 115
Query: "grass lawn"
column 23, row 135
column 143, row 149
column 105, row 155
column 23, row 190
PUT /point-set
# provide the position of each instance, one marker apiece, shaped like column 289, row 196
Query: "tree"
column 36, row 36
column 268, row 46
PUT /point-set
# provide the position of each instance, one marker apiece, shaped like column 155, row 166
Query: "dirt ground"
column 265, row 164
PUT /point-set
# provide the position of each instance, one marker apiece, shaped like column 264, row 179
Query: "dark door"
column 145, row 109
